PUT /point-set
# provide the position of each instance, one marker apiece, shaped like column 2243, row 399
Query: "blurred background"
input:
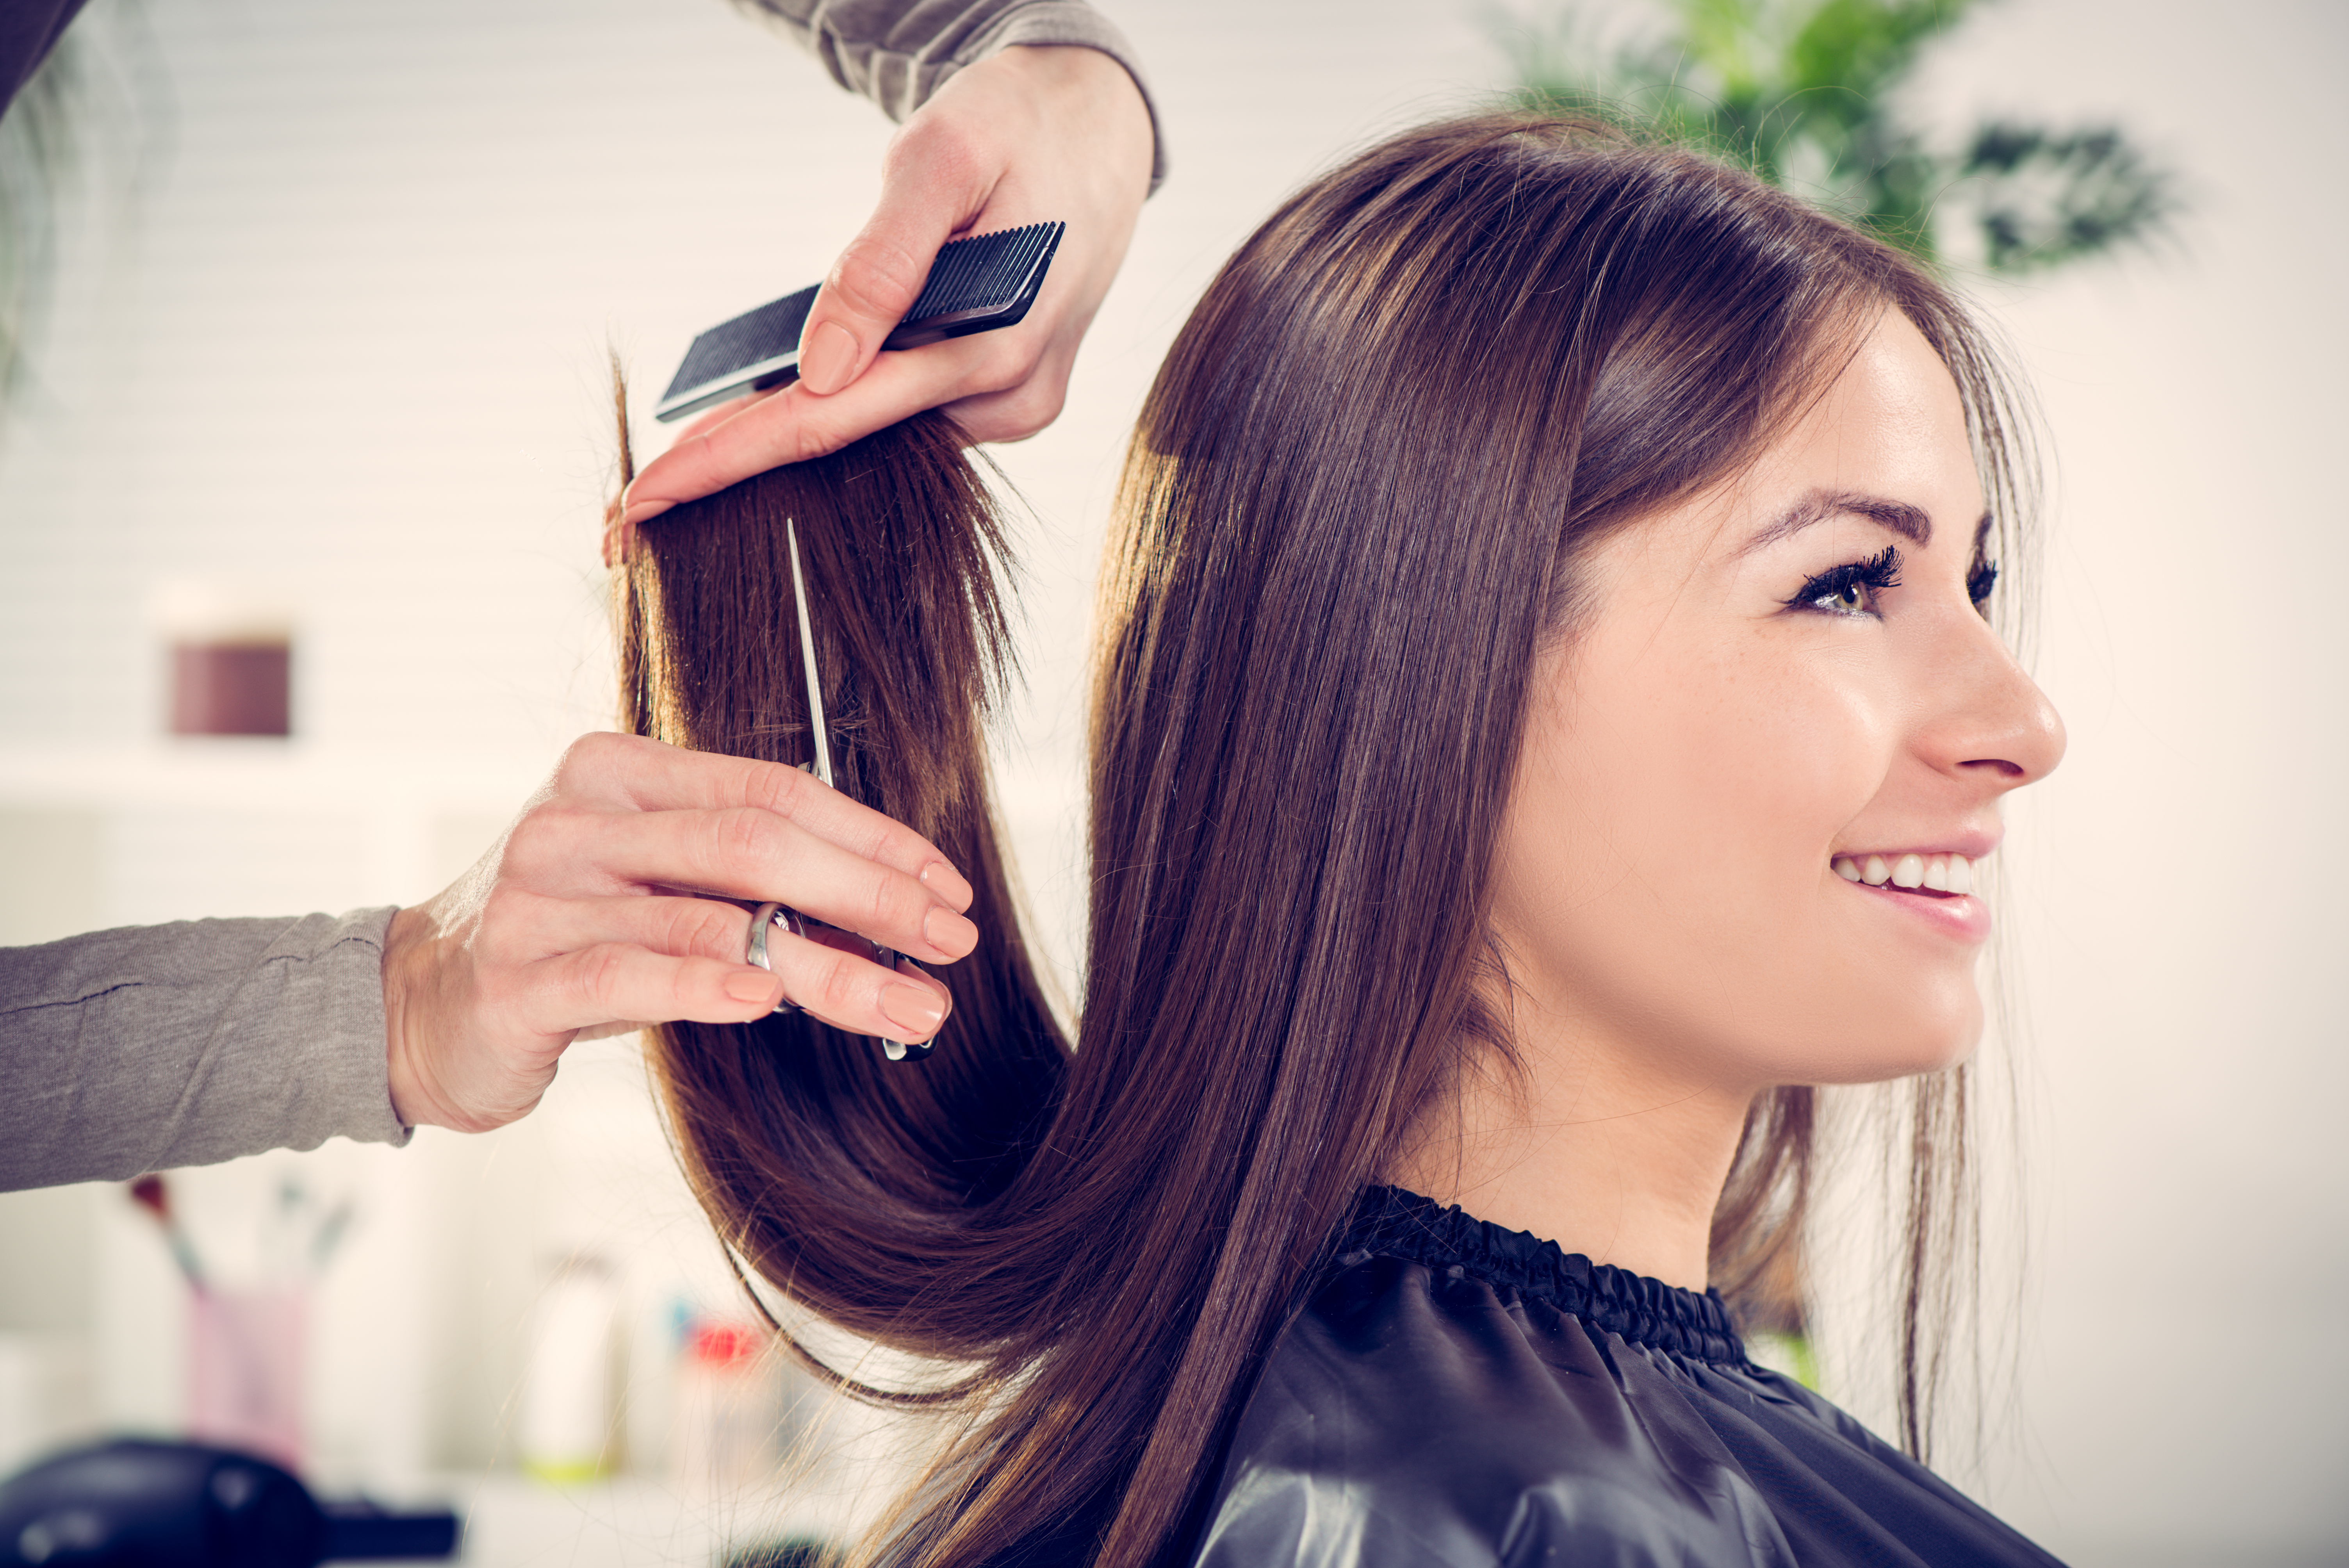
column 319, row 368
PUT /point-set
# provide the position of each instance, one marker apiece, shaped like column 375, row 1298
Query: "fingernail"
column 640, row 511
column 947, row 931
column 913, row 1008
column 947, row 883
column 750, row 986
column 827, row 359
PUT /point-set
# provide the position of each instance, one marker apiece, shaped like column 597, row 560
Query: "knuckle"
column 926, row 135
column 600, row 972
column 685, row 987
column 744, row 836
column 942, row 143
column 589, row 756
column 889, row 905
column 547, row 841
column 777, row 787
column 779, row 792
column 1033, row 405
column 877, row 277
column 889, row 843
column 577, row 757
column 1010, row 363
column 821, row 430
column 1000, row 422
column 837, row 987
column 536, row 840
column 708, row 929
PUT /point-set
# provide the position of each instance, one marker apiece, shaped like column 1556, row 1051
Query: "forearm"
column 149, row 1048
column 899, row 52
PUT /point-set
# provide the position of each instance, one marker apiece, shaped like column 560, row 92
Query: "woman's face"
column 1780, row 686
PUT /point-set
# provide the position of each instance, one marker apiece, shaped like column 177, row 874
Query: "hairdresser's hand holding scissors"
column 575, row 924
column 1026, row 135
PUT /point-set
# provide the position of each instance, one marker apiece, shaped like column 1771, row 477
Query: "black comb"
column 975, row 285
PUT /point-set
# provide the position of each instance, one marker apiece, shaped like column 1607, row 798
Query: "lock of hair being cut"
column 829, row 1170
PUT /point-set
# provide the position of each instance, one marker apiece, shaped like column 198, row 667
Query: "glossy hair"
column 1352, row 514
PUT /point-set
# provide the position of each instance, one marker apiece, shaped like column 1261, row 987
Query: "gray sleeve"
column 898, row 52
column 154, row 1046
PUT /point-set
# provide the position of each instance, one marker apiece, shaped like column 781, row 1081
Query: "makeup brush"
column 149, row 1193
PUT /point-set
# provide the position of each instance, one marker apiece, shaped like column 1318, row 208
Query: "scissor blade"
column 807, row 658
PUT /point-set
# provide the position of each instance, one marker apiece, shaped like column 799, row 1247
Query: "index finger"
column 632, row 772
column 793, row 425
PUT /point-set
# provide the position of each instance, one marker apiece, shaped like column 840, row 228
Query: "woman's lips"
column 1960, row 916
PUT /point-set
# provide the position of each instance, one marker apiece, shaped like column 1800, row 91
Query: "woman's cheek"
column 1667, row 872
column 1768, row 962
column 1744, row 789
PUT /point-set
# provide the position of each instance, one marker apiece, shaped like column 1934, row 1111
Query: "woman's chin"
column 1924, row 1046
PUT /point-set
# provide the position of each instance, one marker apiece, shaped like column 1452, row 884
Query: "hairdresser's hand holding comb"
column 1028, row 135
column 573, row 925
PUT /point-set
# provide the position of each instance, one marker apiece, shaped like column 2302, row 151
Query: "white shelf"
column 136, row 834
column 257, row 773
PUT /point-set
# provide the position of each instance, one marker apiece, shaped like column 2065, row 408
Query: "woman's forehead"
column 1886, row 442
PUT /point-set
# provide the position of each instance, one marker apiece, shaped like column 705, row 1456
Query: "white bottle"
column 567, row 1433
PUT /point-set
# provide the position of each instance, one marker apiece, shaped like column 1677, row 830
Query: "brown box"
column 232, row 689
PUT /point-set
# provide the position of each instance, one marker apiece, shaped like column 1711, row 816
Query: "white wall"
column 349, row 340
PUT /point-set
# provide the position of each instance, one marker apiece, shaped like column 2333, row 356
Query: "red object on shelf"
column 721, row 1344
column 232, row 689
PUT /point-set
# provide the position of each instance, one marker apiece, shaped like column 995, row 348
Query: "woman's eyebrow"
column 1909, row 522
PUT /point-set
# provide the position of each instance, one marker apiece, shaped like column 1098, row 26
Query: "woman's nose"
column 1990, row 721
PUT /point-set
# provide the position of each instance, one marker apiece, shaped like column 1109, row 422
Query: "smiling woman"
column 1765, row 702
column 1550, row 567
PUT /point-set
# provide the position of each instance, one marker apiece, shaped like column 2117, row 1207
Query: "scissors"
column 768, row 916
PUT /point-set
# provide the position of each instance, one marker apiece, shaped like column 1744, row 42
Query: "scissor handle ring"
column 763, row 919
column 767, row 916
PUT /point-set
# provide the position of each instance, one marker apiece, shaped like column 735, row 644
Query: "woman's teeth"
column 1933, row 873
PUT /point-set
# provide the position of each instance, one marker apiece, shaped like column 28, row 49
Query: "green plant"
column 1805, row 92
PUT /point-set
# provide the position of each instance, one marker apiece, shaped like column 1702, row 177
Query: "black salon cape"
column 1458, row 1393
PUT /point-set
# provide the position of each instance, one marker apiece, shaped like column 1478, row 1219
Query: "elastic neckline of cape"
column 1392, row 1222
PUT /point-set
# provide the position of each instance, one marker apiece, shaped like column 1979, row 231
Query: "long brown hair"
column 1352, row 514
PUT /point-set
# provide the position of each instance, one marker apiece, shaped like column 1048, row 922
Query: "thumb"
column 877, row 278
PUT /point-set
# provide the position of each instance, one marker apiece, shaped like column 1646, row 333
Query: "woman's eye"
column 1851, row 589
column 1851, row 599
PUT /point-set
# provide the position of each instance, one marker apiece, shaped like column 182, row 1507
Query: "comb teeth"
column 770, row 332
column 976, row 284
column 985, row 272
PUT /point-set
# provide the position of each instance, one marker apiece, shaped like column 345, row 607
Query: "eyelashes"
column 1850, row 588
column 1979, row 584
